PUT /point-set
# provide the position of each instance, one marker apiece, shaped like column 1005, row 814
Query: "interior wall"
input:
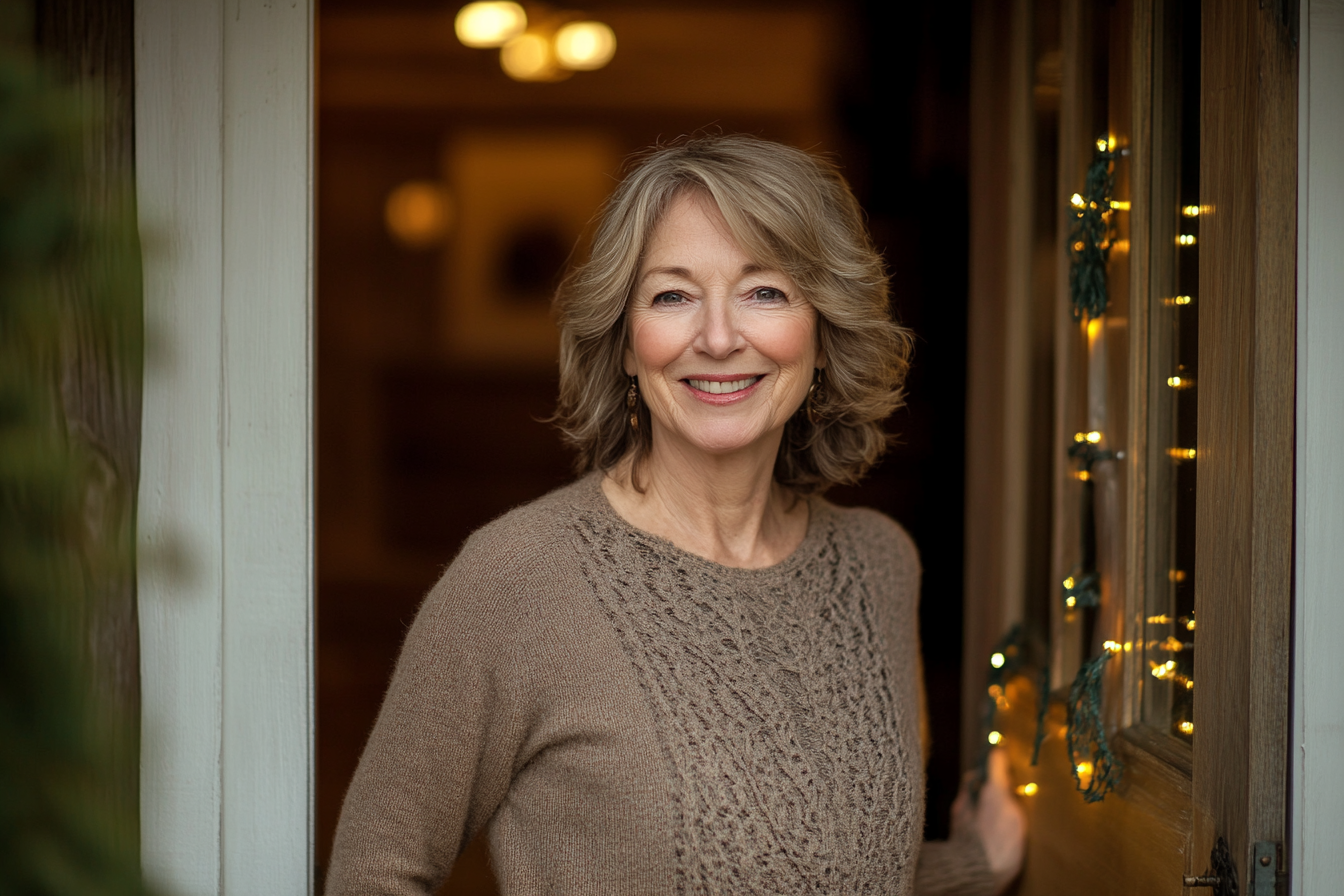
column 436, row 369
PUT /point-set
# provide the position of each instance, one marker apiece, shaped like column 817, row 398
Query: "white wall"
column 224, row 145
column 1317, row 861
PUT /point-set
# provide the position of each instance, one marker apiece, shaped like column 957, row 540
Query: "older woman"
column 686, row 672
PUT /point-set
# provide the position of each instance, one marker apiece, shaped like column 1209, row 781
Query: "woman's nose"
column 719, row 335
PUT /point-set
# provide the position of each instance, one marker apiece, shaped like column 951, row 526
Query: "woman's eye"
column 770, row 294
column 668, row 298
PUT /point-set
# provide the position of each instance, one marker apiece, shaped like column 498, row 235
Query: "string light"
column 1120, row 205
column 995, row 737
column 1113, row 646
column 997, row 660
column 1177, row 300
column 1163, row 671
column 1084, row 769
column 1175, row 575
column 1181, row 453
column 1190, row 624
column 1186, row 727
column 1159, row 620
column 1076, row 200
column 1186, row 239
column 1190, row 211
column 1028, row 789
column 1180, row 382
column 1172, row 645
column 1082, row 475
column 1094, row 437
column 1102, row 144
column 1070, row 601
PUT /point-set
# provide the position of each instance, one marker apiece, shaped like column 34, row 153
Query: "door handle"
column 1223, row 879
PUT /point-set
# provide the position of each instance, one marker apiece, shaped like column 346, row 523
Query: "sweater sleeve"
column 955, row 867
column 452, row 731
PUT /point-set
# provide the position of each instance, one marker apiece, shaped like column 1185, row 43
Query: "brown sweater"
column 624, row 717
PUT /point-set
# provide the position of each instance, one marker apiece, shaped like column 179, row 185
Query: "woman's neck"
column 725, row 508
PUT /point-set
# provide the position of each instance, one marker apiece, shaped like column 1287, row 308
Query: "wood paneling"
column 1244, row 515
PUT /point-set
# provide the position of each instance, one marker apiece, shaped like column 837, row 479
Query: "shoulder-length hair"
column 790, row 211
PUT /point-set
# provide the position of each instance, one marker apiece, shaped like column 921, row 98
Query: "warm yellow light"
column 1121, row 204
column 1084, row 769
column 1176, row 575
column 1070, row 601
column 997, row 660
column 1028, row 789
column 1190, row 211
column 1076, row 201
column 995, row 737
column 584, row 46
column 528, row 57
column 1164, row 671
column 1129, row 645
column 1110, row 142
column 489, row 24
column 1190, row 625
column 417, row 214
column 1112, row 646
column 1182, row 453
column 1185, row 239
column 1094, row 329
column 1094, row 437
column 1189, row 684
column 1177, row 300
column 1172, row 645
column 1078, row 246
column 1186, row 727
column 1082, row 475
column 995, row 691
column 1068, row 583
column 1080, row 437
column 1180, row 382
column 1102, row 143
column 1159, row 620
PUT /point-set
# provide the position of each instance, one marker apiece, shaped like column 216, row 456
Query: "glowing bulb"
column 1076, row 201
column 1177, row 300
column 1189, row 684
column 995, row 737
column 995, row 691
column 1176, row 575
column 489, row 24
column 1112, row 646
column 1182, row 453
column 1186, row 727
column 1190, row 626
column 1102, row 143
column 585, row 46
column 418, row 214
column 1068, row 583
column 1027, row 789
column 1185, row 239
column 1094, row 437
column 1083, row 475
column 1084, row 769
column 1120, row 204
column 1070, row 601
column 1078, row 246
column 997, row 660
column 1080, row 437
column 1190, row 211
column 1159, row 620
column 1172, row 645
column 528, row 57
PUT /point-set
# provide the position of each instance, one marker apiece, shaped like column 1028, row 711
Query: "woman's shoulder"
column 876, row 537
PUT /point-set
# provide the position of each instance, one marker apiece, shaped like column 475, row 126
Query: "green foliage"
column 56, row 837
column 1090, row 235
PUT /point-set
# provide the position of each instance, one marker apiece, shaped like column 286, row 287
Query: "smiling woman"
column 687, row 672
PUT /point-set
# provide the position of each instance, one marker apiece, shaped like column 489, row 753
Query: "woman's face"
column 724, row 349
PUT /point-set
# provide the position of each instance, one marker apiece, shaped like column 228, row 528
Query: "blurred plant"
column 59, row 834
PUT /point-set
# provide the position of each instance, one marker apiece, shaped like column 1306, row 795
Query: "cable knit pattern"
column 774, row 710
column 626, row 717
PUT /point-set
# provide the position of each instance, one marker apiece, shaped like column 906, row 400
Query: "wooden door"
column 1170, row 521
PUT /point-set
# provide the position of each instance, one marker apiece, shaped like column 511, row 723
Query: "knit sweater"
column 624, row 717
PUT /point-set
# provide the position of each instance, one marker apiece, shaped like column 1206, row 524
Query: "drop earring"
column 631, row 399
column 816, row 394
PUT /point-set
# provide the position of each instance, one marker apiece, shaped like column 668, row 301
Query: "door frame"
column 224, row 99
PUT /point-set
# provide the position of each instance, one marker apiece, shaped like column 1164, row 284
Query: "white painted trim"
column 1317, row 862
column 224, row 141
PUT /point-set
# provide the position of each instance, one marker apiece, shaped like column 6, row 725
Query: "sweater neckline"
column 817, row 508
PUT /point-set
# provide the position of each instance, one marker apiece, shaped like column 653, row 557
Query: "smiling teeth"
column 717, row 388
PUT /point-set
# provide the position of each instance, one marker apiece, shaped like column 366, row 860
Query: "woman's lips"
column 722, row 390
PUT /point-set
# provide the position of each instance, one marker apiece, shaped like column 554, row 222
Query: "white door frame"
column 1317, row 760
column 224, row 106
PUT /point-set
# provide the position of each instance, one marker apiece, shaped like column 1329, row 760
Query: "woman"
column 686, row 672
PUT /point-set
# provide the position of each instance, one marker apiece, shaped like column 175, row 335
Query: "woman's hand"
column 997, row 819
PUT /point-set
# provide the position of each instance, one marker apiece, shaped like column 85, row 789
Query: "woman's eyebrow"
column 675, row 271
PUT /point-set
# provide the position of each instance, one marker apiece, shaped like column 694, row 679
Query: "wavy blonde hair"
column 790, row 211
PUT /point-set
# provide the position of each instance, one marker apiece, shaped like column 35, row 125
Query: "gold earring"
column 631, row 398
column 816, row 394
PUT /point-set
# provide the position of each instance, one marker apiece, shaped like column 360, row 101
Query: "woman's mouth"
column 717, row 387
